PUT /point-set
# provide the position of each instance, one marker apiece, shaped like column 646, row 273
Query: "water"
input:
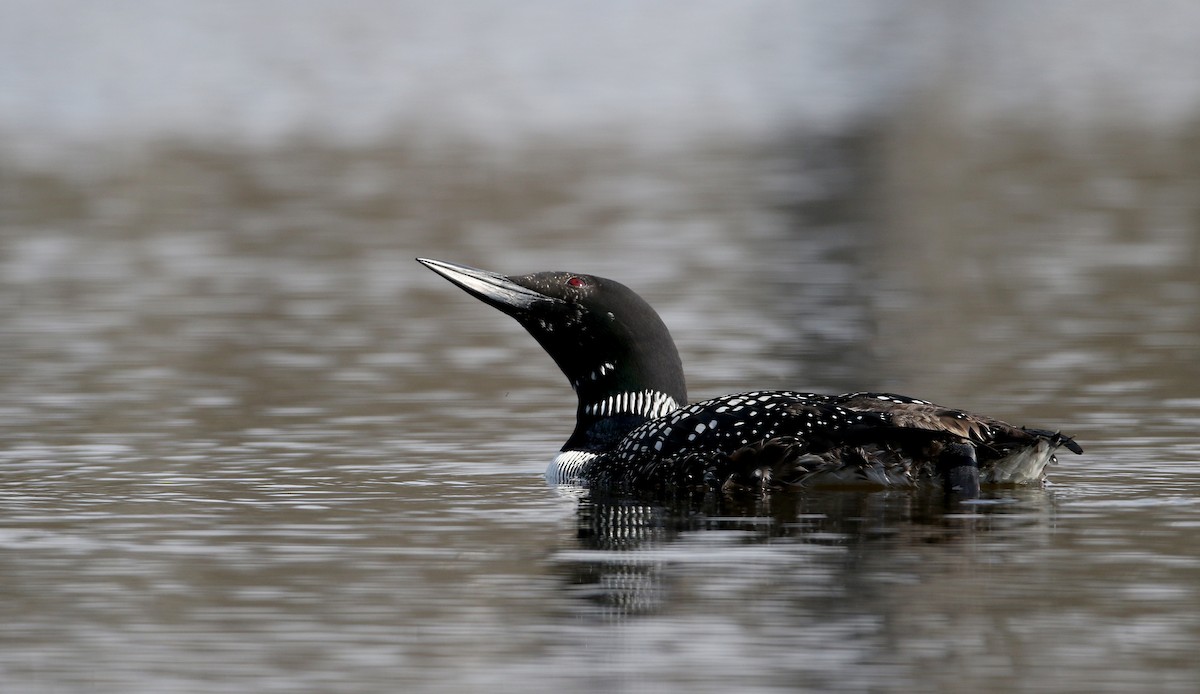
column 248, row 444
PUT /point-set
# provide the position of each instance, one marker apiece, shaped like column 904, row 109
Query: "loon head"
column 610, row 344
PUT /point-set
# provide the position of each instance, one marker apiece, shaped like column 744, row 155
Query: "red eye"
column 576, row 282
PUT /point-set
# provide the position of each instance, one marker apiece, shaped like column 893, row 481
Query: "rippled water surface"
column 249, row 444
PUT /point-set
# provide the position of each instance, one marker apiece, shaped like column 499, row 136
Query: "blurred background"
column 248, row 442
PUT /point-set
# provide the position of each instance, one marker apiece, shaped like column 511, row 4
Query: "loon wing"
column 904, row 412
column 894, row 440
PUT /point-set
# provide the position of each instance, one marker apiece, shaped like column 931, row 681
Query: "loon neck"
column 612, row 402
column 600, row 425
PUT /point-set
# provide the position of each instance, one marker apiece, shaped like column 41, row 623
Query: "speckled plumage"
column 808, row 439
column 633, row 432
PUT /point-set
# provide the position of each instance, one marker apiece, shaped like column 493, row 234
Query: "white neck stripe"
column 648, row 403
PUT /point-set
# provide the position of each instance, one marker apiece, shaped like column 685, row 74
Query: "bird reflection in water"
column 629, row 555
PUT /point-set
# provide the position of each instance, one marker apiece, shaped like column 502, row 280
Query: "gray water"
column 248, row 444
column 251, row 445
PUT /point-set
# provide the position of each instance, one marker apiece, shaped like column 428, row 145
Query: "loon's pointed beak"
column 492, row 288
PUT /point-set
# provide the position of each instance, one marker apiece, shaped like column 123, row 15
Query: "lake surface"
column 250, row 445
column 247, row 444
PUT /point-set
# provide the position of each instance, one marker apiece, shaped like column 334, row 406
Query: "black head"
column 611, row 345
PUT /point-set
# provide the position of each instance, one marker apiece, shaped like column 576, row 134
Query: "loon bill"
column 634, row 429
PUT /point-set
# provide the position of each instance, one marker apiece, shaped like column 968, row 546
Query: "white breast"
column 567, row 467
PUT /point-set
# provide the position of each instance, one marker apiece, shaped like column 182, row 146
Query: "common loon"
column 634, row 430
